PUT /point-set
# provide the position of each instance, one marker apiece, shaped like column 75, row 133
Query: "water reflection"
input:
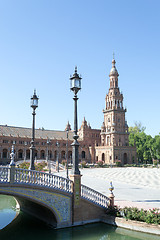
column 7, row 210
column 26, row 227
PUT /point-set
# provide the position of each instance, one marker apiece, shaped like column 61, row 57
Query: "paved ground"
column 133, row 186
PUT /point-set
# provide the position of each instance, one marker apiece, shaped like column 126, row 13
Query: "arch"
column 42, row 154
column 55, row 154
column 70, row 156
column 5, row 151
column 108, row 140
column 38, row 209
column 125, row 158
column 27, row 154
column 50, row 154
column 63, row 155
column 20, row 154
column 35, row 153
column 103, row 157
column 83, row 154
column 50, row 212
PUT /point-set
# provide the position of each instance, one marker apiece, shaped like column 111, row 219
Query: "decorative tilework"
column 60, row 204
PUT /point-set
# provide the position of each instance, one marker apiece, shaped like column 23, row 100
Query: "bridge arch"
column 53, row 208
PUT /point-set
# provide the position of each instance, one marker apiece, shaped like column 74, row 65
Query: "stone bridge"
column 51, row 198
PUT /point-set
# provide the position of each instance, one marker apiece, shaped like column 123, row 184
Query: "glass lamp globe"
column 34, row 100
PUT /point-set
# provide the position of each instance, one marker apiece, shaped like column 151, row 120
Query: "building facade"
column 114, row 146
column 110, row 144
column 46, row 141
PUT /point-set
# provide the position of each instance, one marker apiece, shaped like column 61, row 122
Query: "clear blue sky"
column 42, row 41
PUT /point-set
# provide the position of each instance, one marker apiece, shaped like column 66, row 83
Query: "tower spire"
column 113, row 54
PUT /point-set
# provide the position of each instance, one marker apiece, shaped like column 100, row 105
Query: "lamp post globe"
column 75, row 82
column 75, row 86
column 34, row 105
column 34, row 101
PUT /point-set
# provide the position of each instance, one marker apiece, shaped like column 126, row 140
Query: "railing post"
column 76, row 203
column 12, row 174
column 12, row 166
column 111, row 196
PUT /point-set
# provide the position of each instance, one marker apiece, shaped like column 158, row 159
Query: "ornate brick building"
column 21, row 138
column 108, row 144
column 114, row 144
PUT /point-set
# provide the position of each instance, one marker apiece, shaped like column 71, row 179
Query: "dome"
column 113, row 69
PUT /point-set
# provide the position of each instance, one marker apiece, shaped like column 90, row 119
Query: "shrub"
column 38, row 166
column 155, row 162
column 83, row 163
column 24, row 165
column 113, row 211
column 64, row 162
column 118, row 163
column 150, row 216
column 100, row 163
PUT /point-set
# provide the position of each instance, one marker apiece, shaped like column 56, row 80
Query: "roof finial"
column 113, row 55
column 75, row 69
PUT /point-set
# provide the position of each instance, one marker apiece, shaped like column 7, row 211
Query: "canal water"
column 28, row 228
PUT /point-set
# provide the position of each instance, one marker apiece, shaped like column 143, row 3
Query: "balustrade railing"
column 42, row 179
column 33, row 177
column 4, row 174
column 94, row 196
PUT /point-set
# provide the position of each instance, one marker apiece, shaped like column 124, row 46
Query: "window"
column 5, row 141
column 83, row 154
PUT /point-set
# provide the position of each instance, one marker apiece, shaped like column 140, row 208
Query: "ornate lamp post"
column 34, row 105
column 25, row 144
column 48, row 161
column 75, row 87
column 67, row 130
column 57, row 160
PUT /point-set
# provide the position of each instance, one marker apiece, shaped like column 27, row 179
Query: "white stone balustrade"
column 32, row 177
column 4, row 174
column 94, row 196
column 24, row 176
column 42, row 179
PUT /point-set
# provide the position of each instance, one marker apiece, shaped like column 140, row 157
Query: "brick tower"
column 114, row 131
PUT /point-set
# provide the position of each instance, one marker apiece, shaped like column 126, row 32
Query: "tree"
column 148, row 147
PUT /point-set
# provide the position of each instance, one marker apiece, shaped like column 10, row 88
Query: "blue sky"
column 42, row 41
